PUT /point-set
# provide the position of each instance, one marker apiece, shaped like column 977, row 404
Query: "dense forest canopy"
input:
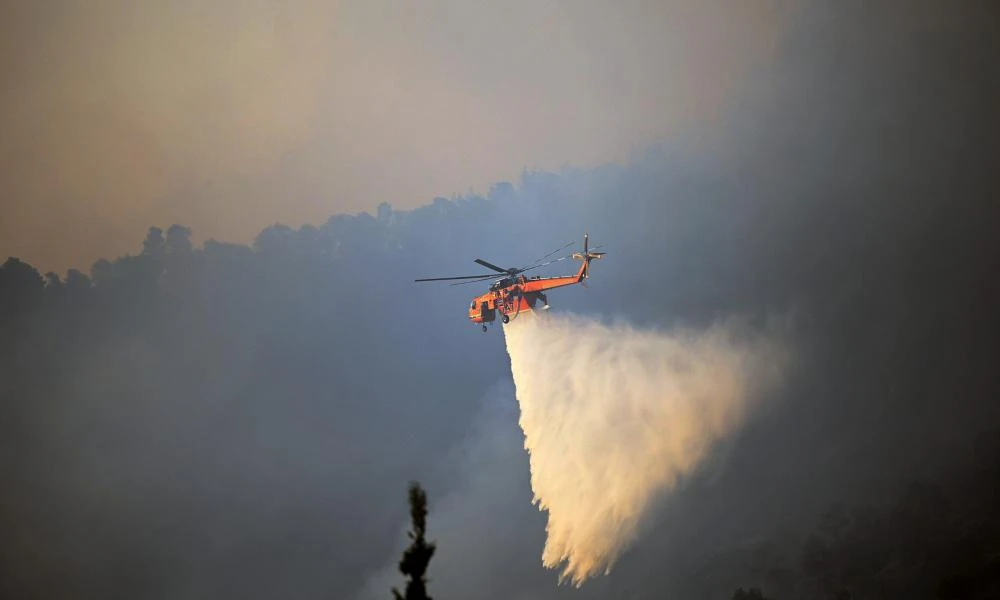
column 235, row 420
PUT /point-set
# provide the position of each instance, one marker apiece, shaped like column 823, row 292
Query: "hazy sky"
column 237, row 424
column 229, row 116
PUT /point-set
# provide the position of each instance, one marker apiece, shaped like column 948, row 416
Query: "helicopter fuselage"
column 513, row 292
column 513, row 295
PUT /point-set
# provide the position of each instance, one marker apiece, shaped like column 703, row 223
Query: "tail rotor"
column 586, row 256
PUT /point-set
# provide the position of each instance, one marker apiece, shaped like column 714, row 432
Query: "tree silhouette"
column 751, row 594
column 154, row 245
column 21, row 285
column 178, row 240
column 418, row 555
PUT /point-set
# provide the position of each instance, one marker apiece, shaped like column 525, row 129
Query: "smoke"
column 614, row 418
column 479, row 517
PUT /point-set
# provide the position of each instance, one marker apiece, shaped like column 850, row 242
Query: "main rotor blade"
column 491, row 266
column 563, row 247
column 461, row 277
column 481, row 280
column 555, row 260
column 515, row 271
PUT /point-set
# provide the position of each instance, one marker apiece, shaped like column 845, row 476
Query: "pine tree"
column 751, row 594
column 417, row 556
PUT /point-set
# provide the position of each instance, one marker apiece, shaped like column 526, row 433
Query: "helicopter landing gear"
column 484, row 328
column 506, row 319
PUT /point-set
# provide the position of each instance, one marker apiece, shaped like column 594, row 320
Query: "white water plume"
column 614, row 417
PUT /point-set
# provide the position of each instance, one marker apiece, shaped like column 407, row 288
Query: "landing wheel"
column 506, row 319
column 484, row 328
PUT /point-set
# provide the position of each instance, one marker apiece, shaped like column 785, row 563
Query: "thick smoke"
column 615, row 417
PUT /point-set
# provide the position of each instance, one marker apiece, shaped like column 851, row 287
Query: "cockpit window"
column 473, row 307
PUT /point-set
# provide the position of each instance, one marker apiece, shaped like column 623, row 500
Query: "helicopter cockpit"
column 496, row 285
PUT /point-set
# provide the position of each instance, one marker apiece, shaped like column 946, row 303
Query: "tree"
column 384, row 213
column 101, row 271
column 154, row 245
column 275, row 239
column 418, row 555
column 20, row 285
column 179, row 240
column 77, row 281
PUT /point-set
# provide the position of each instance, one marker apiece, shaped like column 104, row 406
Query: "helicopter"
column 513, row 292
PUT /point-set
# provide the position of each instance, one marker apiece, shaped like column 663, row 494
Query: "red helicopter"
column 513, row 292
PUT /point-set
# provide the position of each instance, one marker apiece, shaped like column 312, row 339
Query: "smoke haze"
column 228, row 420
column 231, row 116
column 614, row 417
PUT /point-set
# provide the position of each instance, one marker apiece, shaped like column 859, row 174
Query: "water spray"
column 614, row 417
